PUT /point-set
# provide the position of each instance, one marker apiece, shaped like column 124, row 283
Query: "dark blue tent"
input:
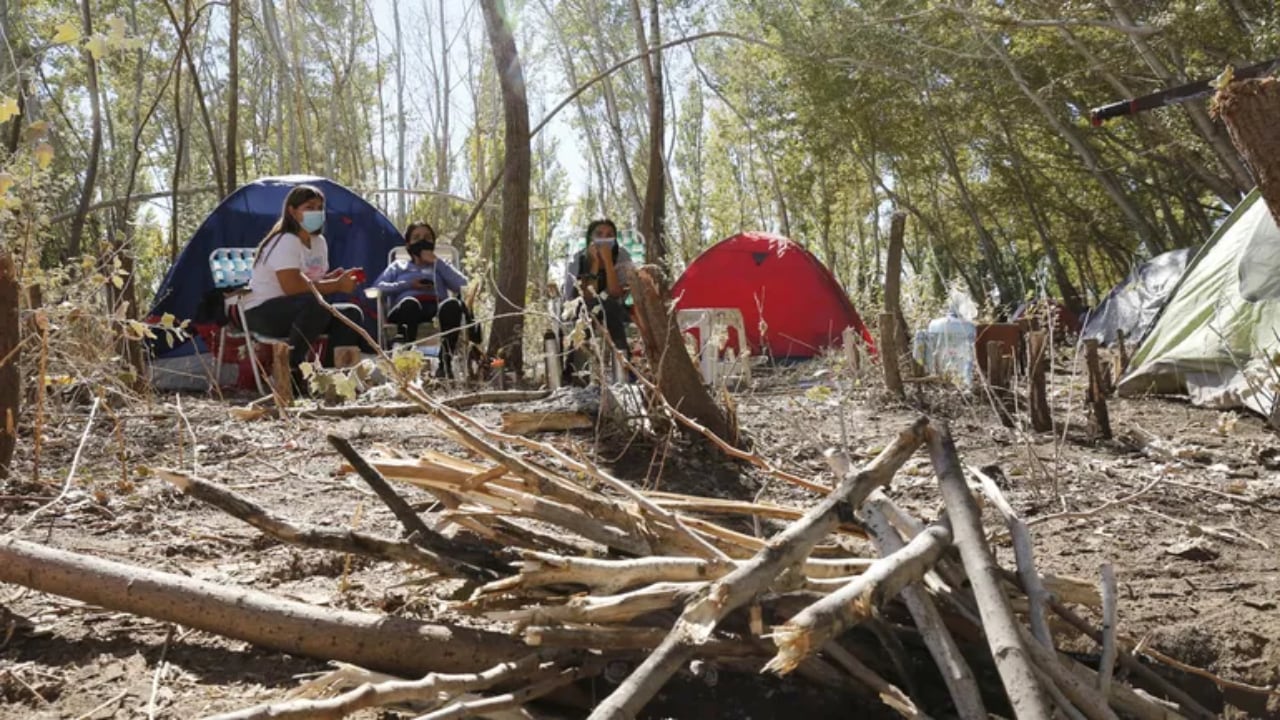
column 359, row 235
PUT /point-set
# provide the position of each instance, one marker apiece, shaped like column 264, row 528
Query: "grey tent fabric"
column 1132, row 306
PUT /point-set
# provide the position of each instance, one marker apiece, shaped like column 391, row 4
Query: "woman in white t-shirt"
column 291, row 259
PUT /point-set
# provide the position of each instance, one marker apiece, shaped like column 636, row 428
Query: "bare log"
column 321, row 538
column 738, row 587
column 828, row 618
column 1012, row 662
column 589, row 609
column 1081, row 694
column 1106, row 665
column 1099, row 419
column 528, row 423
column 955, row 671
column 1038, row 393
column 539, row 569
column 999, row 370
column 390, row 644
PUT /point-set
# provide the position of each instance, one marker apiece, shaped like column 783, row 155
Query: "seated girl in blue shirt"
column 423, row 288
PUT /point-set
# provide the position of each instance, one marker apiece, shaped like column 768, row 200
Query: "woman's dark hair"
column 591, row 229
column 408, row 232
column 299, row 195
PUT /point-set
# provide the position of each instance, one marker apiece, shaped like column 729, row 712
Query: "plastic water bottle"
column 951, row 341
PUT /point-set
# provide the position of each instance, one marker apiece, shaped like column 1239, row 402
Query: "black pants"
column 302, row 319
column 411, row 311
column 615, row 316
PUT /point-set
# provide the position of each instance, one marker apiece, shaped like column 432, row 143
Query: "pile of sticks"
column 583, row 572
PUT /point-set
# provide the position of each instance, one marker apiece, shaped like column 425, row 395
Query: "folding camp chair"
column 231, row 269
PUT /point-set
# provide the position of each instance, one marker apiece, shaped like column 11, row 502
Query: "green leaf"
column 66, row 33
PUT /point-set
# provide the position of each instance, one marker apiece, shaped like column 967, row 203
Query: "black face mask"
column 417, row 248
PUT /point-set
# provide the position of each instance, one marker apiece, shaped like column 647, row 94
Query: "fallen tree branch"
column 321, row 538
column 1024, row 556
column 785, row 550
column 955, row 671
column 595, row 637
column 470, row 558
column 1014, row 665
column 515, row 698
column 391, row 692
column 1130, row 663
column 588, row 609
column 828, row 618
column 890, row 694
column 390, row 644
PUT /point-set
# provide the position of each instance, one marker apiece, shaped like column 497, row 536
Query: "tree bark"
column 652, row 218
column 1099, row 419
column 893, row 281
column 387, row 644
column 1249, row 109
column 75, row 244
column 233, row 96
column 1038, row 393
column 10, row 355
column 677, row 377
column 506, row 333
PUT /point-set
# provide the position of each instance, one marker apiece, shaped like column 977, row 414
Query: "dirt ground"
column 1174, row 475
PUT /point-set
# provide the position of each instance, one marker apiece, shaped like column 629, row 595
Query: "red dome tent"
column 803, row 306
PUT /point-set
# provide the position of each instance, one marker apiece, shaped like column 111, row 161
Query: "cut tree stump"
column 999, row 369
column 1249, row 108
column 281, row 380
column 1099, row 420
column 889, row 354
column 677, row 377
column 389, row 644
column 1041, row 417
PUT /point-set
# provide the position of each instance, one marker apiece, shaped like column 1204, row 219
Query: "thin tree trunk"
column 179, row 152
column 506, row 334
column 183, row 28
column 652, row 219
column 75, row 244
column 10, row 359
column 1071, row 297
column 233, row 96
column 442, row 152
column 401, row 209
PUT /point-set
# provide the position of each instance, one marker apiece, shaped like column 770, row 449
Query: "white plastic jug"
column 951, row 343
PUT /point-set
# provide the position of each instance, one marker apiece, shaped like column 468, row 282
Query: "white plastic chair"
column 706, row 325
column 232, row 268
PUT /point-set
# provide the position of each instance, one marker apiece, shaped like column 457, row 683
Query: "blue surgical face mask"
column 312, row 220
